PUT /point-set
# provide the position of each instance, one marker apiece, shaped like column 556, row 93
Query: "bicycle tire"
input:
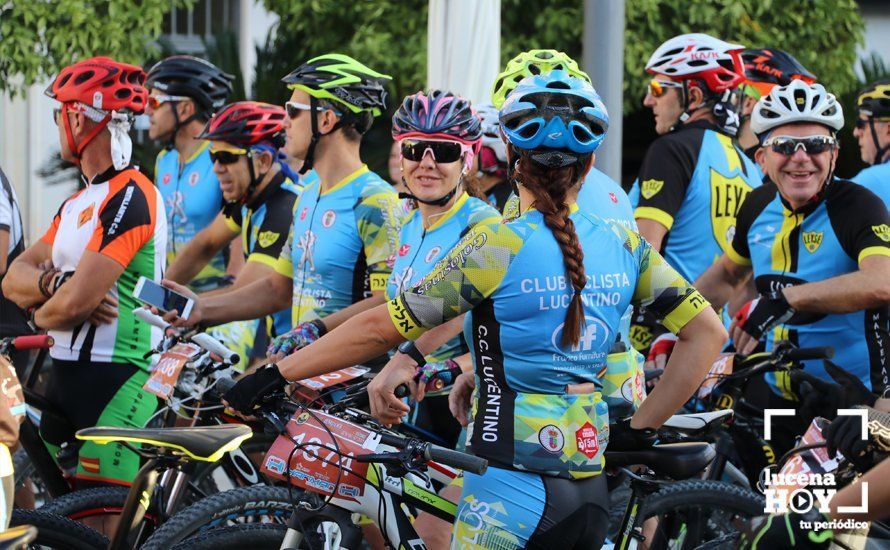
column 214, row 512
column 263, row 536
column 716, row 499
column 55, row 531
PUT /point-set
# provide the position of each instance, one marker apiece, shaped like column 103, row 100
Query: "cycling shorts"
column 507, row 509
column 99, row 394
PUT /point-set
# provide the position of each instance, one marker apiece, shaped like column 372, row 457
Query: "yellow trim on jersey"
column 444, row 217
column 345, row 180
column 198, row 151
column 654, row 214
column 284, row 266
column 402, row 319
column 230, row 223
column 264, row 259
column 736, row 257
column 687, row 310
column 873, row 251
column 781, row 249
column 378, row 281
column 732, row 155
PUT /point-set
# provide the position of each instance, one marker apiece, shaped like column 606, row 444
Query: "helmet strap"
column 177, row 124
column 879, row 151
column 309, row 161
column 441, row 201
column 77, row 148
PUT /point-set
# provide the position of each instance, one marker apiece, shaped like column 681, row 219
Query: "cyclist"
column 344, row 237
column 764, row 69
column 260, row 193
column 81, row 274
column 14, row 321
column 542, row 488
column 490, row 180
column 818, row 248
column 873, row 132
column 184, row 92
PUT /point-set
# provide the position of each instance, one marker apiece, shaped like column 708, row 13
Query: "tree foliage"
column 39, row 37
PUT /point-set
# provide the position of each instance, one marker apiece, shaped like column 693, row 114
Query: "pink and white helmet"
column 700, row 56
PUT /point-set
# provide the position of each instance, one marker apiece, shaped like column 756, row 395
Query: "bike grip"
column 150, row 318
column 213, row 345
column 456, row 459
column 402, row 391
column 393, row 440
column 33, row 341
column 818, row 352
column 224, row 385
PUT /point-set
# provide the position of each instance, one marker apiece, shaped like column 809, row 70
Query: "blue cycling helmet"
column 555, row 118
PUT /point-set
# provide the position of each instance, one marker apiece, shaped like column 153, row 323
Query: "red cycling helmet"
column 701, row 57
column 101, row 84
column 247, row 123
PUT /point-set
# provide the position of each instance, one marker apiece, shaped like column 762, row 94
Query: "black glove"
column 624, row 438
column 761, row 314
column 785, row 531
column 248, row 391
column 845, row 435
column 820, row 397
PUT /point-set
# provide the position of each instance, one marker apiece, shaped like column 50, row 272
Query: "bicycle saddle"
column 204, row 443
column 674, row 460
column 697, row 421
column 19, row 537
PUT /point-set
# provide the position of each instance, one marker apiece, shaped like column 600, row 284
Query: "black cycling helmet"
column 768, row 67
column 202, row 81
column 873, row 102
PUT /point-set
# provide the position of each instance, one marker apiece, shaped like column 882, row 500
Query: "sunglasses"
column 227, row 156
column 443, row 151
column 155, row 101
column 294, row 109
column 658, row 88
column 812, row 145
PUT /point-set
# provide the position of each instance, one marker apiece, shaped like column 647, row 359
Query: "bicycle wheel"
column 690, row 513
column 54, row 531
column 266, row 536
column 260, row 504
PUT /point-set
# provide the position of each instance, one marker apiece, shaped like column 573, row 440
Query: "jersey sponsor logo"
column 328, row 219
column 812, row 240
column 193, row 178
column 128, row 195
column 400, row 315
column 586, row 439
column 267, row 238
column 650, row 188
column 882, row 232
column 431, row 255
column 727, row 195
column 551, row 438
column 613, row 197
column 403, row 250
column 90, row 465
column 306, row 243
column 166, row 179
column 85, row 215
column 594, row 335
column 303, row 213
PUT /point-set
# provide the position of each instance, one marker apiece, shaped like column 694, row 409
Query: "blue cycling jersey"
column 263, row 224
column 342, row 243
column 192, row 199
column 693, row 181
column 512, row 279
column 421, row 249
column 821, row 240
column 876, row 179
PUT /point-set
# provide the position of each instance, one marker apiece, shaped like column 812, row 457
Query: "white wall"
column 877, row 33
column 254, row 25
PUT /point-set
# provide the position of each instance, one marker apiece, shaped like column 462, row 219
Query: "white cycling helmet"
column 797, row 102
column 696, row 55
column 491, row 131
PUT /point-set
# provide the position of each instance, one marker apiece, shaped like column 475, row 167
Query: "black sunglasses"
column 443, row 151
column 812, row 145
column 225, row 157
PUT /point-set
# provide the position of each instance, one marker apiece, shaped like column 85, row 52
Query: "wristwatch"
column 409, row 349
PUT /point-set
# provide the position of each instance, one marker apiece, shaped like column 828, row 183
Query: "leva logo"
column 882, row 231
column 650, row 188
column 812, row 240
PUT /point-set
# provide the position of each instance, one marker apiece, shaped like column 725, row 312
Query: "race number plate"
column 325, row 381
column 315, row 463
column 812, row 461
column 165, row 374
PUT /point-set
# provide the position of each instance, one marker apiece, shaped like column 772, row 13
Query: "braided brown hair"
column 550, row 186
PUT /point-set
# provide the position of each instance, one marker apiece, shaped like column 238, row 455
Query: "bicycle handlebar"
column 202, row 339
column 32, row 341
column 802, row 354
column 448, row 457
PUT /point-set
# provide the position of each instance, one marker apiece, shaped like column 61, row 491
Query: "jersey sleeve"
column 860, row 221
column 379, row 221
column 233, row 215
column 660, row 289
column 284, row 265
column 471, row 271
column 5, row 207
column 663, row 179
column 126, row 221
column 273, row 233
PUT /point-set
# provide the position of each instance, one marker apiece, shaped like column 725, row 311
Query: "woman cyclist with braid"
column 545, row 293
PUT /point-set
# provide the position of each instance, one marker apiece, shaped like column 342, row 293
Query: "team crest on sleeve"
column 650, row 188
column 812, row 240
column 882, row 231
column 267, row 238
